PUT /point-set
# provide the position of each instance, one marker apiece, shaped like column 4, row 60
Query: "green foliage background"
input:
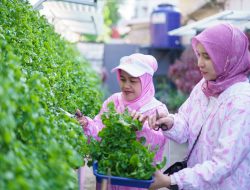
column 110, row 12
column 167, row 93
column 40, row 148
column 111, row 16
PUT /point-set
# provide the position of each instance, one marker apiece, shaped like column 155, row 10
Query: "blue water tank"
column 164, row 18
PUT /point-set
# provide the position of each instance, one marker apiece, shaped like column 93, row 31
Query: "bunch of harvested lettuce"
column 119, row 149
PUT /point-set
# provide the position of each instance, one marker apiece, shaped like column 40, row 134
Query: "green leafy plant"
column 167, row 93
column 40, row 148
column 119, row 150
column 111, row 16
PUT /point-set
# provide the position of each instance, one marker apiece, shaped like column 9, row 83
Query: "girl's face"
column 130, row 86
column 205, row 63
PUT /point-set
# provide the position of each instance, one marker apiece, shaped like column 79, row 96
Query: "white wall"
column 238, row 5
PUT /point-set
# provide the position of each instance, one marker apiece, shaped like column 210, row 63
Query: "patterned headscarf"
column 147, row 85
column 228, row 48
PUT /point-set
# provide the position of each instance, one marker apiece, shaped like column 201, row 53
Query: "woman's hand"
column 160, row 180
column 155, row 121
column 81, row 118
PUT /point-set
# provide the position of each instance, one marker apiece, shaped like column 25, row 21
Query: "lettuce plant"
column 119, row 151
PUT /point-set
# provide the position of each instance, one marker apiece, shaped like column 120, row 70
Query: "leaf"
column 119, row 148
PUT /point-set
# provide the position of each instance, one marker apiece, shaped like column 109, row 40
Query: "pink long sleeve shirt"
column 153, row 138
column 221, row 157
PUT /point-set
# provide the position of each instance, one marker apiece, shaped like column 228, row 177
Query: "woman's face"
column 205, row 63
column 130, row 86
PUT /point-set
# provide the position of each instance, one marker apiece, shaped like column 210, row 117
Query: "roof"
column 76, row 16
column 237, row 18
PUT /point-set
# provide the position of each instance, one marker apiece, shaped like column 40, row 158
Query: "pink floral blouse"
column 221, row 157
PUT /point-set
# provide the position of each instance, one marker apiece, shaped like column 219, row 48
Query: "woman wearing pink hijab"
column 219, row 110
column 135, row 77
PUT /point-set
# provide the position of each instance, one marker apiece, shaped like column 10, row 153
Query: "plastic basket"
column 122, row 181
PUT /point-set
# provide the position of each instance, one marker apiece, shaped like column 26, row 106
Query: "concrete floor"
column 177, row 152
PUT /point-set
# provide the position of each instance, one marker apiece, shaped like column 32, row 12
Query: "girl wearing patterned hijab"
column 135, row 77
column 218, row 109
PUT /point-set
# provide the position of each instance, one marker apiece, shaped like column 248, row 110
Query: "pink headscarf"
column 228, row 48
column 147, row 85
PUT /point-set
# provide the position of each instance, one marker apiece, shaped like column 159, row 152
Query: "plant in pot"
column 120, row 154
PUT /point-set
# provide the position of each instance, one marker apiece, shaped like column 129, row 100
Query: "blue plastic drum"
column 164, row 18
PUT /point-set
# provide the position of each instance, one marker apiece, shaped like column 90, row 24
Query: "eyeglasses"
column 162, row 126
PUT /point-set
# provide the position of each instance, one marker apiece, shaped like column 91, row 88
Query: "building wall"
column 238, row 5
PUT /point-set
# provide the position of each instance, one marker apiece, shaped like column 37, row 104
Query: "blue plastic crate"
column 122, row 181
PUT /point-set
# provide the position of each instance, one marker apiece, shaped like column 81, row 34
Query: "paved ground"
column 177, row 153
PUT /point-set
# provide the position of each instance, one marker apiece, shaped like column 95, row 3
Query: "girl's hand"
column 155, row 121
column 81, row 118
column 160, row 180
